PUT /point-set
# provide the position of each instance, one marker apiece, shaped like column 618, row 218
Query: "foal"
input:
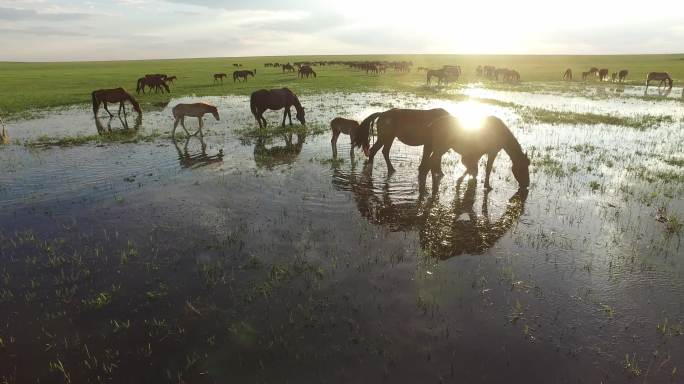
column 348, row 127
column 197, row 110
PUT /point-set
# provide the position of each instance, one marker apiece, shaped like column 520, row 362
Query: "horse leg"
column 374, row 149
column 285, row 115
column 427, row 151
column 175, row 125
column 183, row 125
column 333, row 143
column 289, row 115
column 490, row 162
column 200, row 122
column 385, row 153
column 106, row 109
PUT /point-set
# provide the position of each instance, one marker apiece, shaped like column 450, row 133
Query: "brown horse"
column 622, row 75
column 219, row 76
column 171, row 79
column 237, row 75
column 410, row 126
column 567, row 75
column 156, row 82
column 440, row 74
column 603, row 74
column 116, row 95
column 593, row 71
column 585, row 75
column 348, row 127
column 197, row 110
column 664, row 78
column 275, row 99
column 490, row 138
column 288, row 67
column 307, row 71
column 613, row 77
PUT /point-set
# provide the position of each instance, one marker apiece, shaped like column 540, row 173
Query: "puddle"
column 263, row 259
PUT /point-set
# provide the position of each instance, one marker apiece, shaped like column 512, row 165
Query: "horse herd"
column 620, row 76
column 493, row 73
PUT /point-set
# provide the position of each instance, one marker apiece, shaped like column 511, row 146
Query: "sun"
column 471, row 114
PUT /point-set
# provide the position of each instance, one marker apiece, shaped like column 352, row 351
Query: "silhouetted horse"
column 288, row 67
column 275, row 99
column 664, row 78
column 219, row 76
column 567, row 75
column 440, row 74
column 348, row 127
column 197, row 110
column 603, row 74
column 490, row 138
column 171, row 79
column 622, row 75
column 410, row 126
column 116, row 95
column 237, row 75
column 156, row 82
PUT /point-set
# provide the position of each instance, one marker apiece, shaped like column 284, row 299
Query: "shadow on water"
column 197, row 158
column 442, row 228
column 275, row 155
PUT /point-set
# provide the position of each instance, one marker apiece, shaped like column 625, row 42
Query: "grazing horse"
column 156, row 82
column 622, row 75
column 237, row 75
column 664, row 78
column 567, row 75
column 593, row 71
column 219, row 76
column 275, row 99
column 197, row 110
column 288, row 67
column 490, row 138
column 307, row 71
column 4, row 137
column 603, row 74
column 410, row 126
column 348, row 127
column 171, row 79
column 116, row 95
column 440, row 74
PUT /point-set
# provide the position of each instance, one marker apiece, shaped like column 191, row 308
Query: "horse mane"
column 362, row 138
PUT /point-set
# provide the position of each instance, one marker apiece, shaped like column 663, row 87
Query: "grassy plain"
column 30, row 86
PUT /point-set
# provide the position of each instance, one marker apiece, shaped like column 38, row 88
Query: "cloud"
column 17, row 14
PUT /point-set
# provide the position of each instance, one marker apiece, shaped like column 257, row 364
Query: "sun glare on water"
column 471, row 114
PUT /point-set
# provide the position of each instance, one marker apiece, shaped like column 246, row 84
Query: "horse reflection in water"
column 441, row 230
column 195, row 159
column 104, row 129
column 269, row 157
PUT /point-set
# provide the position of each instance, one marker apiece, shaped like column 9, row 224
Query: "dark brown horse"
column 348, row 127
column 288, row 67
column 116, row 95
column 664, row 78
column 622, row 75
column 410, row 126
column 567, row 75
column 306, row 71
column 156, row 82
column 219, row 76
column 171, row 79
column 440, row 74
column 490, row 138
column 603, row 74
column 275, row 99
column 237, row 75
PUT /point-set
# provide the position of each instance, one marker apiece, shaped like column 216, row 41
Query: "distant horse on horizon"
column 237, row 75
column 307, row 71
column 567, row 76
column 275, row 99
column 288, row 67
column 219, row 76
column 115, row 95
column 603, row 74
column 622, row 75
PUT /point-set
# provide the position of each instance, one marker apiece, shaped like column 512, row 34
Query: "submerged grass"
column 539, row 115
column 124, row 137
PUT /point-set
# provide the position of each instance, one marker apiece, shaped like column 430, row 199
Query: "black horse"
column 275, row 99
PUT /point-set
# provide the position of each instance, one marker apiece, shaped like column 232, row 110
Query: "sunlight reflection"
column 471, row 114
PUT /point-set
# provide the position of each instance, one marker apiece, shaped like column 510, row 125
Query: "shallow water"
column 261, row 259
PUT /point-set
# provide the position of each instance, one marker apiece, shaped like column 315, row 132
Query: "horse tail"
column 96, row 102
column 363, row 134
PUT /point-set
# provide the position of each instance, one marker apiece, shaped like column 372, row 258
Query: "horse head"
column 300, row 115
column 521, row 171
column 214, row 112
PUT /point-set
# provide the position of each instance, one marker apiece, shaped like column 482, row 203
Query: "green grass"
column 30, row 86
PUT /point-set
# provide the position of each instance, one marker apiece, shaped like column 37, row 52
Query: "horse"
column 275, row 99
column 288, row 67
column 593, row 71
column 664, row 78
column 171, row 79
column 116, row 95
column 585, row 75
column 180, row 111
column 307, row 71
column 490, row 138
column 440, row 74
column 156, row 82
column 410, row 126
column 237, row 75
column 348, row 127
column 567, row 75
column 219, row 76
column 4, row 136
column 622, row 75
column 603, row 74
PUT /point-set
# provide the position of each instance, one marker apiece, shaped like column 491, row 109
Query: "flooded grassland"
column 247, row 256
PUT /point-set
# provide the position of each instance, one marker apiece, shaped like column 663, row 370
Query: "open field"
column 26, row 86
column 254, row 256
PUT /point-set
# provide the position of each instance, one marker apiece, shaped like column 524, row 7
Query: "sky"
column 43, row 30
